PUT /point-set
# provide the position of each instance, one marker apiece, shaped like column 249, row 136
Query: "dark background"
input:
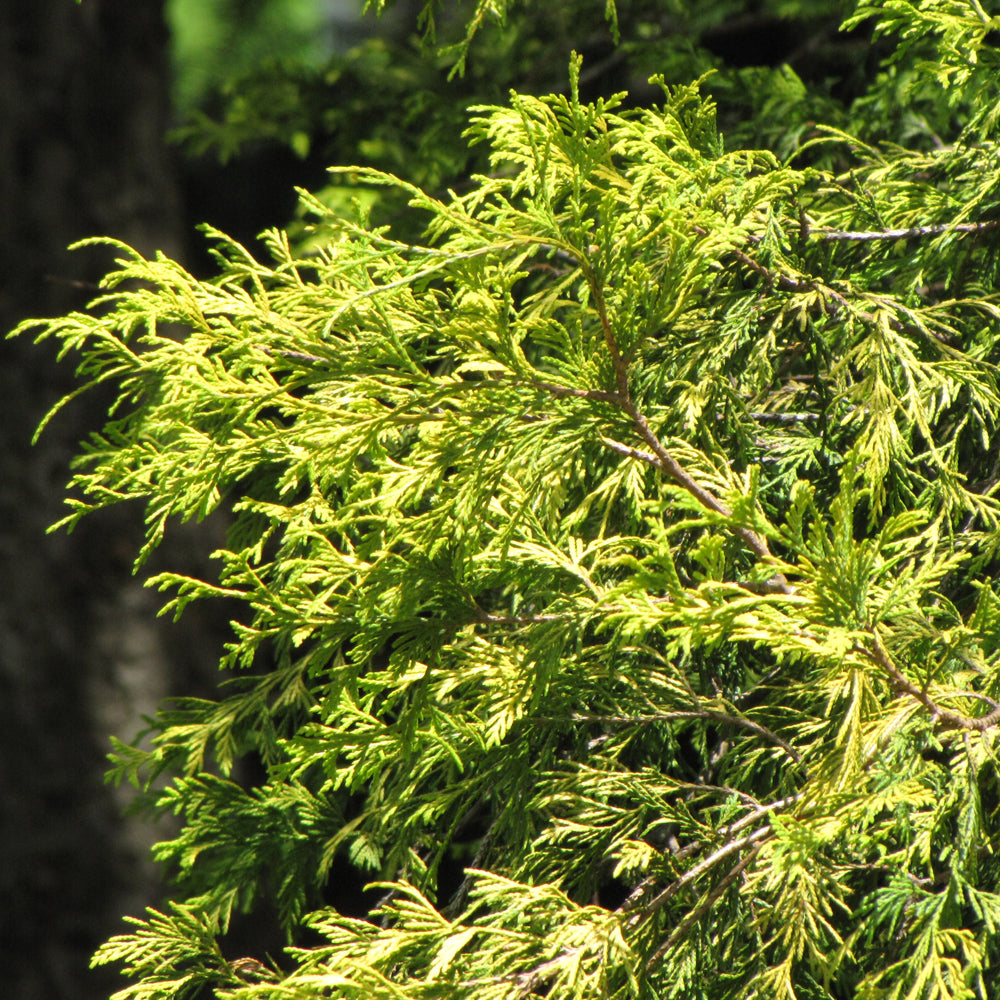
column 84, row 106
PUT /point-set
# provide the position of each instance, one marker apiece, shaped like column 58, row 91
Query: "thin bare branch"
column 623, row 449
column 659, row 455
column 699, row 911
column 762, row 809
column 948, row 719
column 699, row 713
column 831, row 300
column 837, row 235
column 693, row 874
column 565, row 390
column 784, row 418
column 619, row 362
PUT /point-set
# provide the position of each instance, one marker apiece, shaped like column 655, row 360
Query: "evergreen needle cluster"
column 626, row 545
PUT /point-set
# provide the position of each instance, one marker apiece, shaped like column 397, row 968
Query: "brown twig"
column 692, row 874
column 761, row 809
column 783, row 418
column 837, row 235
column 564, row 390
column 669, row 465
column 658, row 456
column 531, row 980
column 623, row 449
column 699, row 713
column 943, row 716
column 831, row 301
column 619, row 362
column 753, row 840
column 757, row 543
column 635, row 897
column 699, row 911
column 458, row 900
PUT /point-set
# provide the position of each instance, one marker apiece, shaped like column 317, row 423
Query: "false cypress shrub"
column 627, row 544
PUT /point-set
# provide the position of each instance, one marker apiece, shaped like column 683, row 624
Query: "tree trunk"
column 83, row 111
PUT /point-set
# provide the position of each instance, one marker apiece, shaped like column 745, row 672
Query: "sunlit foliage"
column 629, row 540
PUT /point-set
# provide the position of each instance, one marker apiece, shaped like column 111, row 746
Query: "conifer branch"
column 837, row 235
column 663, row 459
column 699, row 713
column 944, row 716
column 693, row 916
column 332, row 398
column 693, row 874
column 564, row 390
column 831, row 301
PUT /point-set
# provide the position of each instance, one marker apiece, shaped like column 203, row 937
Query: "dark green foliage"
column 630, row 538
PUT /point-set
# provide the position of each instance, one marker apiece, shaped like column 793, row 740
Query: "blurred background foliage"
column 215, row 42
column 268, row 93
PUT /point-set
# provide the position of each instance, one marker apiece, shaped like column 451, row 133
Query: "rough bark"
column 83, row 110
